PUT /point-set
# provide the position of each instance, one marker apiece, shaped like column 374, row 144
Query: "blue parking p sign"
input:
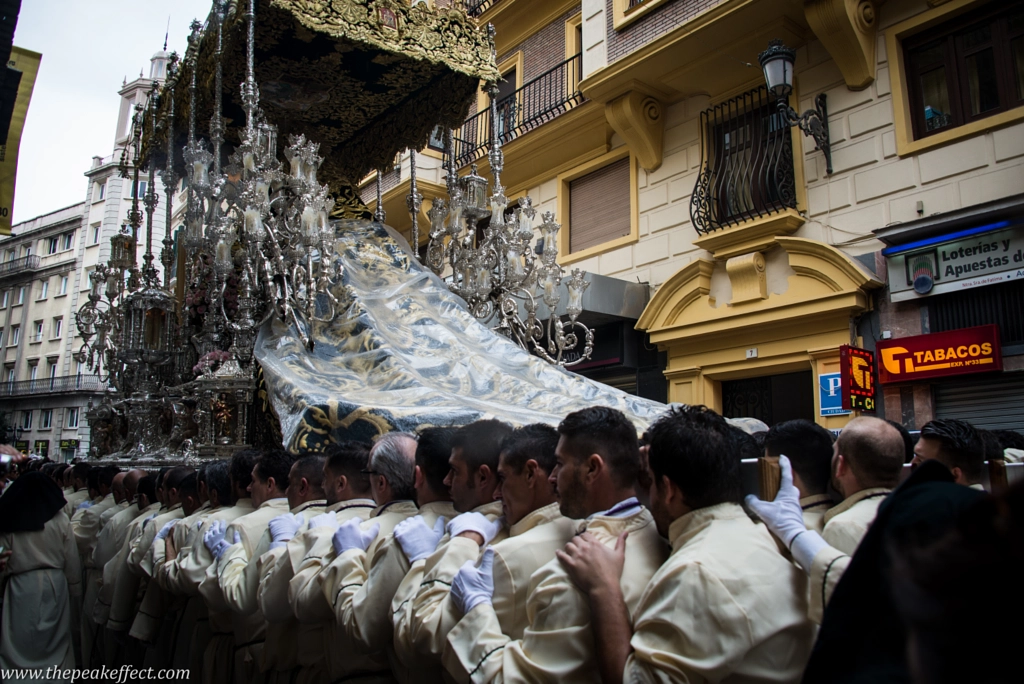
column 830, row 394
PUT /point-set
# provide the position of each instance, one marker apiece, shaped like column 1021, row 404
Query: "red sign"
column 958, row 352
column 857, row 378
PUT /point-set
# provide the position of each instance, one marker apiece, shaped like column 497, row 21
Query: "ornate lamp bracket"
column 813, row 122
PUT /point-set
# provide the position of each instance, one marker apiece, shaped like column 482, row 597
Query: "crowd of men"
column 486, row 553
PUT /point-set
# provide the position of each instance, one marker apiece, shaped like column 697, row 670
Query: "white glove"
column 166, row 529
column 283, row 529
column 474, row 584
column 785, row 518
column 215, row 541
column 324, row 520
column 350, row 535
column 85, row 504
column 416, row 539
column 475, row 522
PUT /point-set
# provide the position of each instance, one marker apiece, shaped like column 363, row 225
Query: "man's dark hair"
column 189, row 486
column 480, row 443
column 106, row 475
column 161, row 475
column 746, row 445
column 760, row 438
column 311, row 468
column 80, row 471
column 1009, row 439
column 242, row 464
column 608, row 433
column 147, row 488
column 350, row 458
column 908, row 440
column 809, row 448
column 432, row 451
column 993, row 447
column 876, row 458
column 695, row 447
column 218, row 480
column 537, row 441
column 275, row 463
column 92, row 479
column 175, row 476
column 59, row 470
column 960, row 445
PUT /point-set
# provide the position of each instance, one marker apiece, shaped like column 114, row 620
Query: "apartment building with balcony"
column 44, row 390
column 647, row 128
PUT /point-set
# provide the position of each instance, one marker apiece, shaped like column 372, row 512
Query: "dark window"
column 966, row 69
column 746, row 163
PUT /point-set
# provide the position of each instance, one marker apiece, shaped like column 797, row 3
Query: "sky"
column 88, row 49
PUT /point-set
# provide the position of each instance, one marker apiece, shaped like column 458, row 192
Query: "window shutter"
column 599, row 208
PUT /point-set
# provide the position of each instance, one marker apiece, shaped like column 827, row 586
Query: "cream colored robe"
column 282, row 641
column 238, row 585
column 725, row 607
column 73, row 499
column 814, row 508
column 557, row 645
column 848, row 522
column 42, row 574
column 827, row 569
column 116, row 575
column 275, row 597
column 340, row 660
column 531, row 543
column 184, row 575
column 149, row 625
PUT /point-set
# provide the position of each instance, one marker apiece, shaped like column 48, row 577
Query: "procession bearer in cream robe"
column 596, row 467
column 867, row 460
column 80, row 488
column 306, row 500
column 187, row 576
column 809, row 448
column 365, row 586
column 347, row 492
column 234, row 545
column 391, row 467
column 726, row 606
column 86, row 524
column 472, row 480
column 536, row 527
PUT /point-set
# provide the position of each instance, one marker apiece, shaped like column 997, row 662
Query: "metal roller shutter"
column 599, row 208
column 995, row 403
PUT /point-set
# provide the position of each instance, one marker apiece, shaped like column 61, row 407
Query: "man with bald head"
column 866, row 466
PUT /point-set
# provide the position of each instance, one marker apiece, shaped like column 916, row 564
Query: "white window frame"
column 67, row 241
column 5, row 299
column 58, row 326
column 15, row 335
column 73, row 417
column 21, row 295
column 45, row 419
column 96, row 233
column 44, row 289
column 63, row 286
column 52, row 245
column 26, row 420
column 37, row 335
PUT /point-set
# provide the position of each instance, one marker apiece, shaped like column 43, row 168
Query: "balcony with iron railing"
column 25, row 263
column 537, row 102
column 63, row 384
column 475, row 8
column 746, row 163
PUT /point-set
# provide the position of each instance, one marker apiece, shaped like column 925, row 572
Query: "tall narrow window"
column 67, row 241
column 746, row 163
column 15, row 335
column 21, row 294
column 58, row 326
column 73, row 417
column 26, row 420
column 63, row 285
column 45, row 419
column 51, row 245
column 38, row 334
column 4, row 298
column 44, row 289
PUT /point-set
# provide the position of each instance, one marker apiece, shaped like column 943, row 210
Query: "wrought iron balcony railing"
column 746, row 163
column 539, row 100
column 61, row 384
column 25, row 263
column 475, row 8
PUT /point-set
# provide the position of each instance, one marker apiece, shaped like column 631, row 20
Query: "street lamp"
column 777, row 63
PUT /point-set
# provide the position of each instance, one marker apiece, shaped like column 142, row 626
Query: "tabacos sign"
column 957, row 352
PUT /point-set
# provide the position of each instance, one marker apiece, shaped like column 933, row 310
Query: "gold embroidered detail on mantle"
column 364, row 78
